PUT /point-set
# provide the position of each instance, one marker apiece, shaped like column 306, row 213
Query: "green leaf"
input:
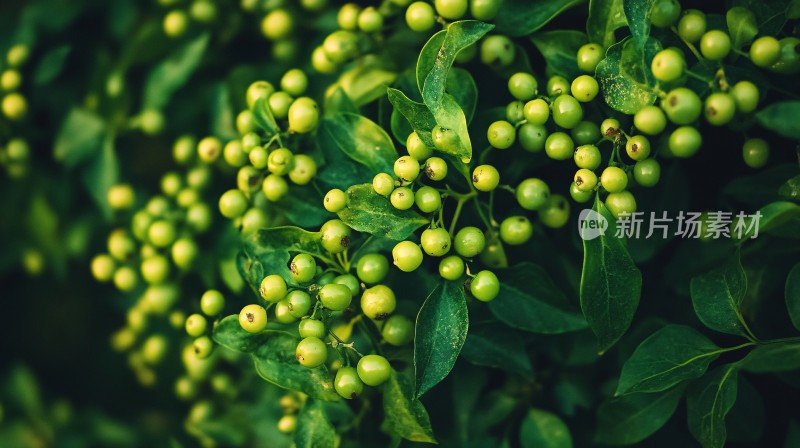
column 542, row 429
column 417, row 114
column 267, row 251
column 262, row 115
column 559, row 49
column 275, row 362
column 338, row 101
column 610, row 284
column 770, row 16
column 450, row 116
column 369, row 212
column 364, row 84
column 303, row 206
column 773, row 215
column 742, row 26
column 229, row 333
column 101, row 173
column 362, row 140
column 405, row 416
column 171, row 74
column 80, row 137
column 458, row 35
column 708, row 401
column 51, row 65
column 793, row 11
column 440, row 333
column 495, row 345
column 674, row 354
column 529, row 300
column 313, row 428
column 773, row 357
column 793, row 295
column 791, row 189
column 717, row 297
column 781, row 118
column 462, row 86
column 620, row 91
column 518, row 17
column 635, row 62
column 637, row 13
column 632, row 418
column 427, row 57
column 605, row 17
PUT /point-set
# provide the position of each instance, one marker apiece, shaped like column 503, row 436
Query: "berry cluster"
column 14, row 152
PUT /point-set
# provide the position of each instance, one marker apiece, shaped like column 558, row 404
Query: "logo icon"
column 591, row 224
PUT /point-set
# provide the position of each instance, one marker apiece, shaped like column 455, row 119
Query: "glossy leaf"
column 458, row 35
column 791, row 189
column 517, row 17
column 543, row 429
column 529, row 300
column 267, row 251
column 605, row 17
column 364, row 84
column 262, row 115
column 708, row 401
column 610, row 284
column 674, row 354
column 275, row 362
column 229, row 333
column 495, row 345
column 781, row 118
column 405, row 416
column 369, row 212
column 717, row 297
column 440, row 333
column 773, row 215
column 792, row 294
column 632, row 418
column 338, row 101
column 773, row 357
column 80, row 137
column 635, row 62
column 559, row 49
column 637, row 13
column 313, row 428
column 450, row 116
column 620, row 91
column 417, row 114
column 303, row 206
column 102, row 173
column 362, row 140
column 742, row 26
column 462, row 86
column 171, row 74
column 427, row 58
column 51, row 65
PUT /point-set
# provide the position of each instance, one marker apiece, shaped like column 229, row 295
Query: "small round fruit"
column 372, row 268
column 523, row 86
column 650, row 120
column 311, row 352
column 417, row 148
column 335, row 297
column 555, row 213
column 407, row 256
column 715, row 45
column 209, row 149
column 621, row 204
column 647, row 172
column 303, row 268
column 103, row 268
column 203, row 347
column 347, row 383
column 378, row 302
column 765, row 51
column 420, row 16
column 516, row 230
column 374, row 370
column 719, row 108
column 567, row 111
column 277, row 25
column 287, row 424
column 402, row 198
column 398, row 330
column 451, row 267
column 161, row 233
column 335, row 200
column 584, row 88
column 233, row 203
column 196, row 325
column 469, row 242
column 273, row 288
column 532, row 137
column 280, row 161
column 484, row 10
column 312, row 328
column 383, row 184
column 436, row 168
column 692, row 25
column 435, row 242
column 497, row 51
column 212, row 302
column 589, row 55
column 406, row 168
column 335, row 236
column 664, row 13
column 253, row 318
column 536, row 111
column 614, row 179
column 609, row 128
column 682, row 106
column 668, row 65
column 559, row 146
column 350, row 281
column 445, row 139
column 638, row 147
column 557, row 85
column 484, row 286
column 755, row 152
column 585, row 133
column 585, row 179
column 501, row 134
column 745, row 95
column 428, row 200
column 303, row 115
column 451, row 9
column 532, row 193
column 685, row 141
column 347, row 18
column 578, row 195
column 587, row 156
column 485, row 177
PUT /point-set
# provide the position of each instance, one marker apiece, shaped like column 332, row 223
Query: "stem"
column 456, row 215
column 491, row 209
column 692, row 48
column 699, row 77
column 480, row 213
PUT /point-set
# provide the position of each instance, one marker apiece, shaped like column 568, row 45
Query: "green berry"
column 402, row 198
column 209, row 149
column 692, row 25
column 536, row 111
column 719, row 108
column 294, row 82
column 664, row 13
column 347, row 18
column 125, row 278
column 682, row 106
column 647, row 172
column 336, row 297
column 350, row 281
column 715, row 45
column 234, row 155
column 258, row 90
column 587, row 156
column 428, row 200
column 557, row 85
column 347, row 383
column 501, row 134
column 497, row 51
column 451, row 267
column 335, row 236
column 273, row 288
column 621, row 203
column 312, row 328
column 280, row 161
column 303, row 115
column 638, row 147
column 161, row 233
column 451, row 9
column 685, row 141
column 765, row 51
column 233, row 204
column 485, row 178
column 280, row 102
column 755, row 152
column 578, row 195
column 585, row 133
column 589, row 55
column 516, row 230
column 613, row 179
column 435, row 242
column 370, row 20
column 523, row 86
column 567, row 111
column 469, row 242
column 585, row 179
column 335, row 200
column 445, row 140
column 102, row 268
column 417, row 148
column 378, row 302
column 745, row 95
column 650, row 120
column 559, row 146
column 436, row 168
column 609, row 128
column 407, row 256
column 484, row 286
column 532, row 137
column 398, row 330
column 383, row 184
column 212, row 302
column 584, row 89
column 668, row 65
column 532, row 193
column 274, row 187
column 406, row 168
column 155, row 269
column 303, row 268
column 311, row 352
column 484, row 10
column 555, row 213
column 14, row 106
column 372, row 268
column 277, row 25
column 420, row 16
column 120, row 196
column 303, row 169
column 196, row 325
